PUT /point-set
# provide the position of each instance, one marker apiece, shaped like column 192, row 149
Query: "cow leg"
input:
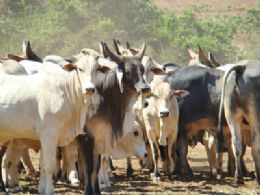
column 129, row 170
column 58, row 169
column 243, row 165
column 64, row 166
column 182, row 151
column 10, row 166
column 234, row 122
column 42, row 182
column 231, row 162
column 103, row 172
column 86, row 148
column 70, row 152
column 155, row 154
column 2, row 152
column 94, row 175
column 255, row 145
column 210, row 146
column 48, row 148
column 30, row 171
column 171, row 155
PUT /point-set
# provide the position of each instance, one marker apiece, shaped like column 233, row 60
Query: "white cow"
column 50, row 106
column 131, row 144
column 161, row 118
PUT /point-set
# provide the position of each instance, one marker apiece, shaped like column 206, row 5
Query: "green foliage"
column 65, row 27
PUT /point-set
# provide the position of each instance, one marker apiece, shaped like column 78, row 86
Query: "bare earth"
column 140, row 183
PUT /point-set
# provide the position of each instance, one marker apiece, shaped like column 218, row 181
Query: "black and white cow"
column 119, row 91
column 240, row 100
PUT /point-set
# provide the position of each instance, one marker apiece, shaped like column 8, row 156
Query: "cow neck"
column 76, row 100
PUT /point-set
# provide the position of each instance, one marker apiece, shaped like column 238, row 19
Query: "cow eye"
column 80, row 69
column 136, row 133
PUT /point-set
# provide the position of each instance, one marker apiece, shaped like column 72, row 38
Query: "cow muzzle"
column 90, row 91
column 164, row 114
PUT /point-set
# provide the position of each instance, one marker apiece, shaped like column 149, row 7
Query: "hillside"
column 208, row 7
column 65, row 27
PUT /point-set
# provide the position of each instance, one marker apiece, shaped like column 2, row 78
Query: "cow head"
column 28, row 54
column 84, row 79
column 163, row 96
column 89, row 68
column 135, row 144
column 131, row 70
column 151, row 67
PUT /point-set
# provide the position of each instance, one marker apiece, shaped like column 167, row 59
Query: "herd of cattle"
column 81, row 111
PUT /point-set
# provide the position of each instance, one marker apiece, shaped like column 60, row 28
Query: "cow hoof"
column 103, row 186
column 252, row 174
column 74, row 182
column 13, row 189
column 239, row 180
column 41, row 189
column 155, row 178
column 173, row 177
column 110, row 174
column 220, row 176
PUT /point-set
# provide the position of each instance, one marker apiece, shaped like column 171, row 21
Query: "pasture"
column 141, row 183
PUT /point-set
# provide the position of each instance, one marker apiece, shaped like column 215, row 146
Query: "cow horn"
column 116, row 47
column 102, row 50
column 27, row 50
column 140, row 54
column 127, row 45
column 212, row 59
column 202, row 58
column 118, row 42
column 115, row 57
column 192, row 54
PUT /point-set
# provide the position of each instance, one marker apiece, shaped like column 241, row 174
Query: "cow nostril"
column 90, row 91
column 146, row 89
column 164, row 114
column 145, row 155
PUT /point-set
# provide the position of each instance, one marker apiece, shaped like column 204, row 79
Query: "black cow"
column 113, row 114
column 200, row 107
column 241, row 100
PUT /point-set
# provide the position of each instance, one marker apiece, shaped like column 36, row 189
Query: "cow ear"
column 116, row 47
column 180, row 93
column 212, row 59
column 103, row 69
column 192, row 54
column 140, row 54
column 157, row 70
column 119, row 76
column 27, row 50
column 203, row 59
column 15, row 57
column 127, row 45
column 69, row 67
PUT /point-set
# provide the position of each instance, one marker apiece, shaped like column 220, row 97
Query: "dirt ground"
column 140, row 183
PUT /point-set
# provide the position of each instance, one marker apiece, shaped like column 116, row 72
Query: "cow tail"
column 238, row 69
